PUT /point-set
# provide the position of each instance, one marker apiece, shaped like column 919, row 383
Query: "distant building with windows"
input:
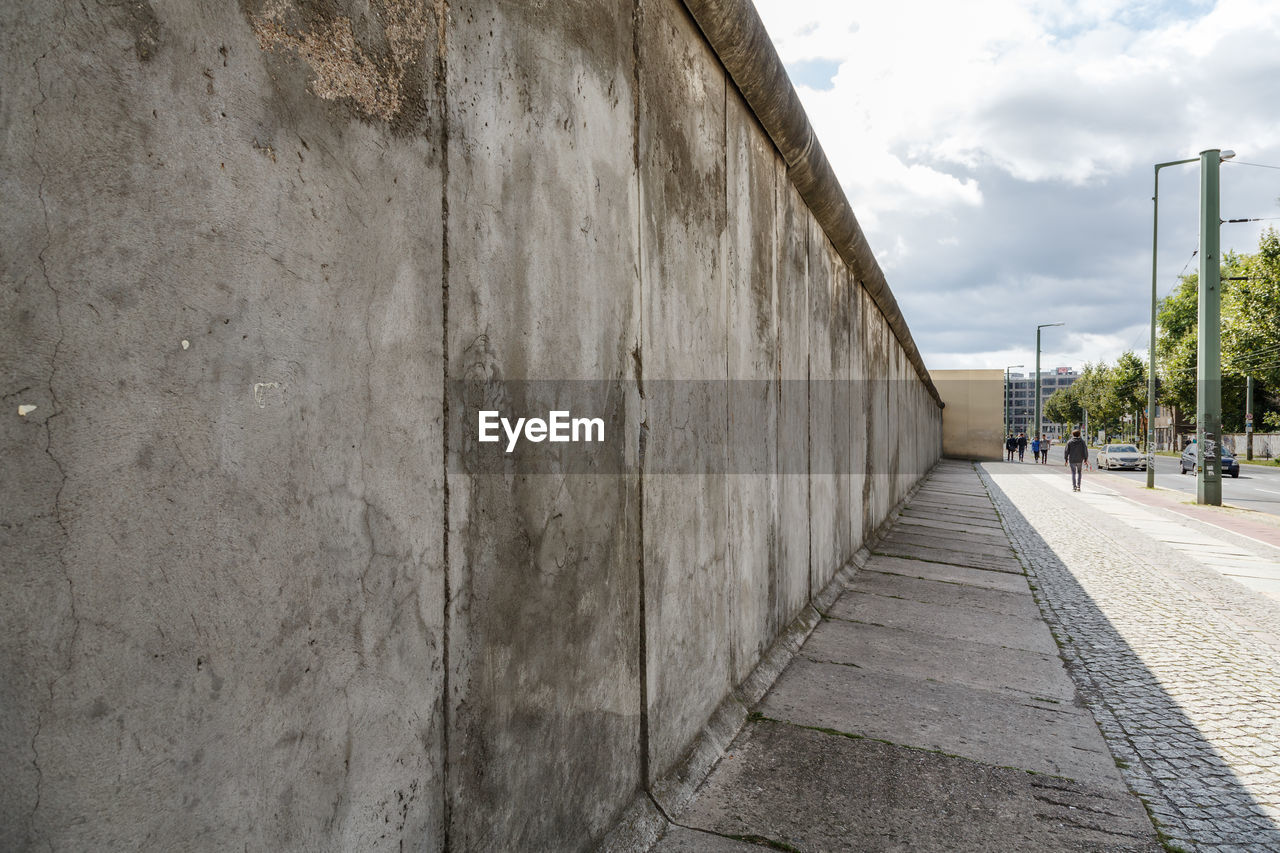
column 1020, row 397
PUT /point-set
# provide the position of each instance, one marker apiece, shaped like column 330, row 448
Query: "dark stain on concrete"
column 377, row 57
column 139, row 19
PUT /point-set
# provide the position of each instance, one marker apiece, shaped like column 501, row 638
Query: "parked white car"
column 1121, row 456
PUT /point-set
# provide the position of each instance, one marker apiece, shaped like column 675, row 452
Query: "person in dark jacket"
column 1022, row 445
column 1075, row 454
column 1011, row 444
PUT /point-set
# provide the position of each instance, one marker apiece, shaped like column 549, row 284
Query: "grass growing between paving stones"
column 1166, row 840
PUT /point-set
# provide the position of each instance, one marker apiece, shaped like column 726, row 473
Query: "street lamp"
column 1038, row 328
column 1151, row 370
column 1006, row 401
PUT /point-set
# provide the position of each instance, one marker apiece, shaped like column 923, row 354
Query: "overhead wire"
column 1257, row 165
column 1251, row 360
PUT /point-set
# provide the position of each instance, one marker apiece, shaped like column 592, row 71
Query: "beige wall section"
column 973, row 420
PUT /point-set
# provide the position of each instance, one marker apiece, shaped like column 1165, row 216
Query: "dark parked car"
column 1188, row 461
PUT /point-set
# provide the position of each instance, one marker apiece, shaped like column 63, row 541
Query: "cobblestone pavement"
column 1179, row 664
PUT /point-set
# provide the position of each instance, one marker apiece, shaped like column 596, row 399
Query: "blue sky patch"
column 816, row 73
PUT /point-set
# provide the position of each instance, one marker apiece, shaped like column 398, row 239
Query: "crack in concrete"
column 441, row 71
column 48, row 429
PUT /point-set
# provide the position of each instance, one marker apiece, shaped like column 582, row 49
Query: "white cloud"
column 1000, row 151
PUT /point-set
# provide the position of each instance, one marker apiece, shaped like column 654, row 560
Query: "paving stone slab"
column 956, row 488
column 983, row 510
column 950, row 594
column 959, row 498
column 987, row 521
column 946, row 572
column 950, row 523
column 810, row 791
column 1015, row 632
column 992, row 727
column 943, row 555
column 942, row 528
column 960, row 542
column 959, row 490
column 919, row 655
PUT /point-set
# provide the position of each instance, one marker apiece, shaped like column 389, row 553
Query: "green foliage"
column 1251, row 313
column 1250, row 335
column 1129, row 383
column 1109, row 393
column 1176, row 346
column 1063, row 407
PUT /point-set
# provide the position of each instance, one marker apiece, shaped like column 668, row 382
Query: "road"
column 1257, row 487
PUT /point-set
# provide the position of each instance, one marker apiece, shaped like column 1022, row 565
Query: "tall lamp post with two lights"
column 1209, row 343
column 1038, row 328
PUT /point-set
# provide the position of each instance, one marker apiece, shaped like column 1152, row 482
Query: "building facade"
column 971, row 426
column 1020, row 397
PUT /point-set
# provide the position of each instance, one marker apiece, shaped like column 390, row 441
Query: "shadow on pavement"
column 1194, row 796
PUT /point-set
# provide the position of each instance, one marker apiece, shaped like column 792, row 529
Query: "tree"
column 1096, row 396
column 1251, row 313
column 1063, row 406
column 1129, row 383
column 1250, row 334
column 1176, row 346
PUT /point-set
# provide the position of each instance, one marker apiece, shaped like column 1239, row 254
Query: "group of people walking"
column 1075, row 454
column 1018, row 444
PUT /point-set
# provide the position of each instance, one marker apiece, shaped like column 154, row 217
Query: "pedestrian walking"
column 1035, row 449
column 1022, row 445
column 1076, row 456
column 1010, row 445
column 1044, row 449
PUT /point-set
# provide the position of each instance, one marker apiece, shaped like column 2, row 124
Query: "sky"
column 999, row 155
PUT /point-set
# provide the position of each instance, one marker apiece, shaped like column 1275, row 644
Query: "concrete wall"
column 253, row 596
column 1266, row 445
column 973, row 420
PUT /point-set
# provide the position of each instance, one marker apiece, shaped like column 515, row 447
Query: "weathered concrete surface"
column 909, row 653
column 1020, row 631
column 925, row 712
column 254, row 595
column 544, row 627
column 984, row 725
column 939, row 553
column 684, row 220
column 814, row 791
column 792, row 577
column 222, row 523
column 924, row 569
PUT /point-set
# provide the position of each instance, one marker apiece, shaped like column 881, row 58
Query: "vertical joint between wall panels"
column 446, row 819
column 638, row 359
column 729, row 251
column 808, row 396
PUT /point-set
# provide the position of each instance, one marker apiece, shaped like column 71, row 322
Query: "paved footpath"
column 1171, row 627
column 929, row 710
